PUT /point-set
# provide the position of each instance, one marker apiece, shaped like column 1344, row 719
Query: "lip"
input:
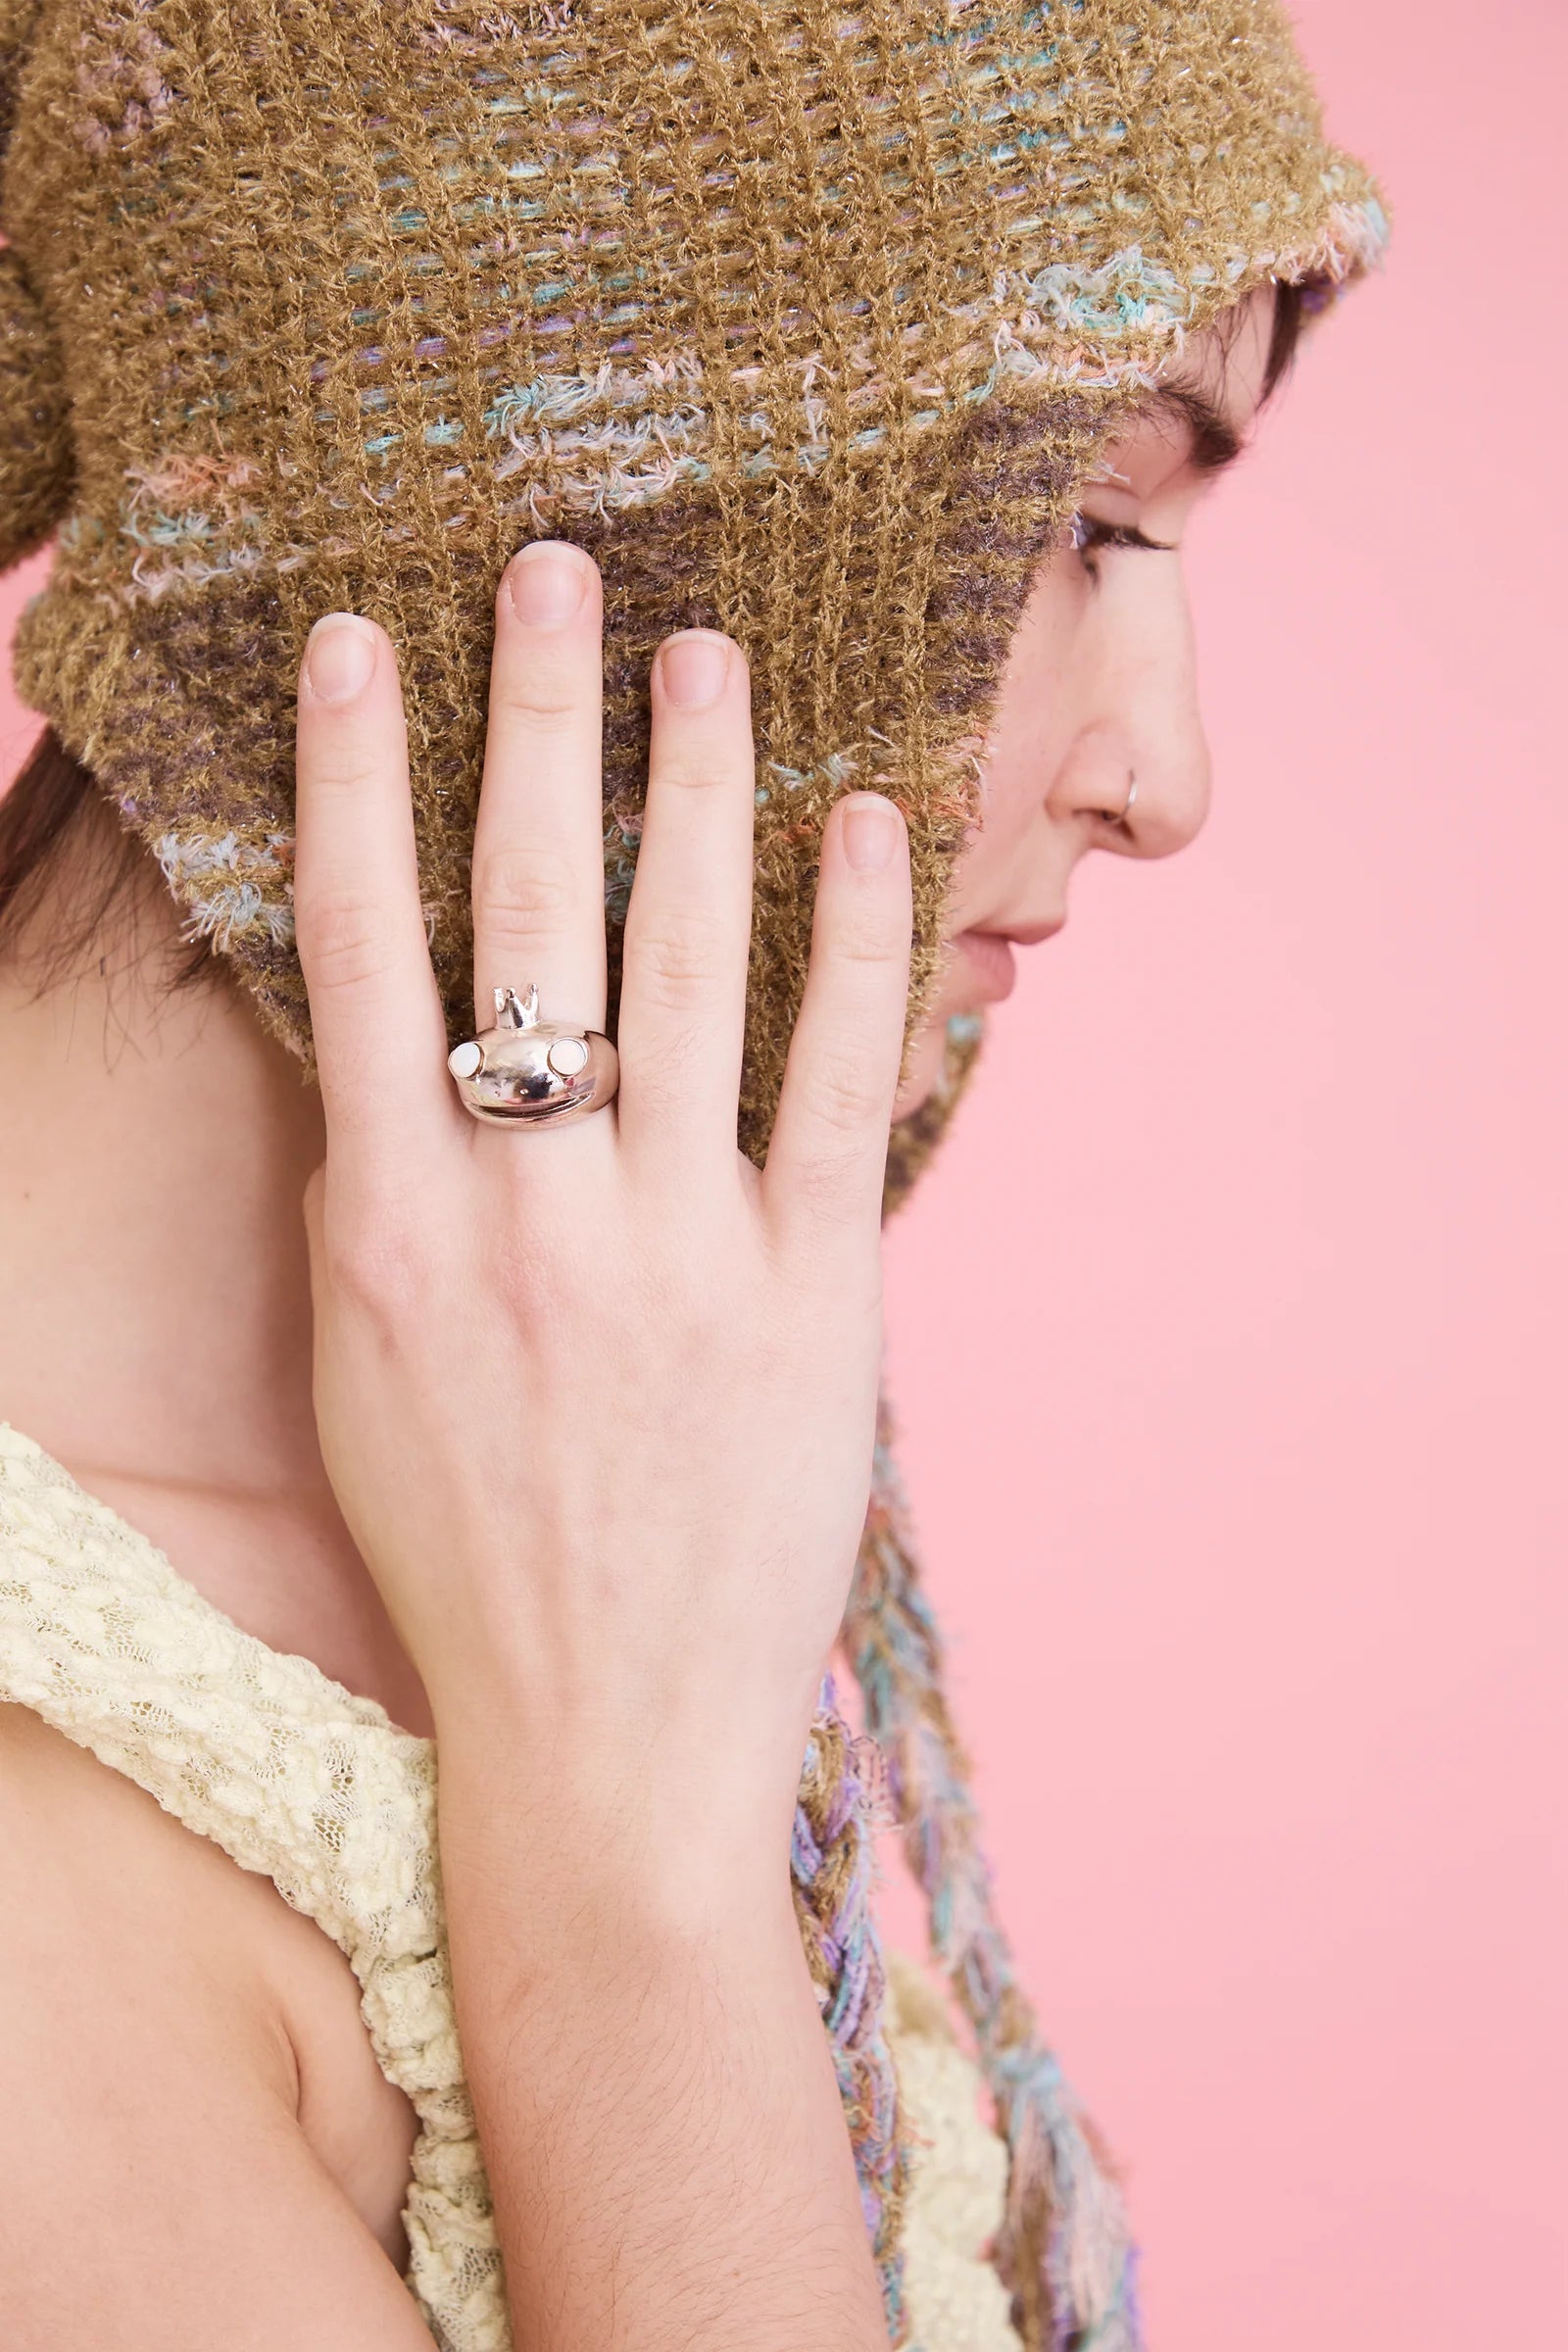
column 989, row 957
column 992, row 966
column 1030, row 935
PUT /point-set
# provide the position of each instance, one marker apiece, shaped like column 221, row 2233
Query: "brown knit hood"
column 807, row 322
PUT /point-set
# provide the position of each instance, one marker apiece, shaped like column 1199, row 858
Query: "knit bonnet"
column 809, row 323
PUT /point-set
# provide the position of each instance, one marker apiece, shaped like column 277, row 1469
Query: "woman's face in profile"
column 1100, row 686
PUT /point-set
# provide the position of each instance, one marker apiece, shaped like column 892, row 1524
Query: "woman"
column 814, row 356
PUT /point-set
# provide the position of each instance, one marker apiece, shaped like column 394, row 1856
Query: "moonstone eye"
column 465, row 1060
column 568, row 1056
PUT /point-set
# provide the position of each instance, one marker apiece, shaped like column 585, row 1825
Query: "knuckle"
column 874, row 935
column 547, row 695
column 344, row 942
column 665, row 1079
column 543, row 1280
column 380, row 1271
column 677, row 959
column 530, row 886
column 831, row 1184
column 849, row 1088
column 329, row 769
column 701, row 768
column 546, row 706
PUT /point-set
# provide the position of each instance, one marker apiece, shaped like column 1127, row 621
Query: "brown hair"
column 53, row 814
column 53, row 822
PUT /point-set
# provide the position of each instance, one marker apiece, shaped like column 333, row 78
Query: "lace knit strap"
column 287, row 1770
column 294, row 1776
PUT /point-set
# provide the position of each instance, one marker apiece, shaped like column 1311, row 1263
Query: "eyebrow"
column 1214, row 441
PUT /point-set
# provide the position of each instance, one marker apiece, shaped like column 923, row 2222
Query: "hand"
column 597, row 1402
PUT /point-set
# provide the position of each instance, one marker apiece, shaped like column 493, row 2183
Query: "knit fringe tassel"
column 1064, row 2251
column 839, row 1809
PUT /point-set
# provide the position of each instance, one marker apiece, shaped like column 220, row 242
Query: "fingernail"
column 546, row 583
column 692, row 669
column 870, row 834
column 339, row 656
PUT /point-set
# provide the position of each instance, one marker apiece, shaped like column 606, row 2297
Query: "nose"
column 1138, row 767
column 1146, row 790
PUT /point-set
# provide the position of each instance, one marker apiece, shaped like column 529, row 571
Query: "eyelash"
column 1087, row 537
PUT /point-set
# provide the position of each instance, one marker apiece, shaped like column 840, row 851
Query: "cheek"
column 1034, row 711
column 1016, row 774
column 1030, row 728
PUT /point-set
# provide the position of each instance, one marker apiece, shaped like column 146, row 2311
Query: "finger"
column 828, row 1154
column 689, row 922
column 375, row 1011
column 538, row 849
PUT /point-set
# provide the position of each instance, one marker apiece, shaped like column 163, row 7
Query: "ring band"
column 525, row 1068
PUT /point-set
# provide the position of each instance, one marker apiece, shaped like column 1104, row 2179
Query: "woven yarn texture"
column 805, row 321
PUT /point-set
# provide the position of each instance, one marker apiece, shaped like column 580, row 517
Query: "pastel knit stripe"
column 1064, row 2252
column 620, row 440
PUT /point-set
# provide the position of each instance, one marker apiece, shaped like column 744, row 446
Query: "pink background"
column 1226, row 1333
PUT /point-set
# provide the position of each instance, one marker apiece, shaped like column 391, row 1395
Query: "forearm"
column 598, row 1410
column 653, row 2084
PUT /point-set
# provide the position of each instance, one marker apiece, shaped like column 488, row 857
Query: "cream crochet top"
column 295, row 1777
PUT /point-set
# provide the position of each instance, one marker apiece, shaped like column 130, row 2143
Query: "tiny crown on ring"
column 514, row 1013
column 567, row 1055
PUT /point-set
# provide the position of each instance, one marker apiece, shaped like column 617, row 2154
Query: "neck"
column 155, row 1302
column 152, row 1251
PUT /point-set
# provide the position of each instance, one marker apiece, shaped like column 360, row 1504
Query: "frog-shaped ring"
column 527, row 1068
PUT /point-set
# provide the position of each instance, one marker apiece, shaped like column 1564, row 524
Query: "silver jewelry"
column 1132, row 795
column 527, row 1068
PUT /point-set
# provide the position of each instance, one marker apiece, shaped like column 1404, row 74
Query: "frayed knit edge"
column 223, row 909
column 234, row 910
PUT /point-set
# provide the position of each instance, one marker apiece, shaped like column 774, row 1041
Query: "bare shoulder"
column 169, row 2033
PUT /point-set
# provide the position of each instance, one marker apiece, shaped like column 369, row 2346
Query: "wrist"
column 602, row 1931
column 640, row 1772
column 673, row 1837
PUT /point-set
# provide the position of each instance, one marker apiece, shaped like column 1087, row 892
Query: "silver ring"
column 525, row 1068
column 1132, row 795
